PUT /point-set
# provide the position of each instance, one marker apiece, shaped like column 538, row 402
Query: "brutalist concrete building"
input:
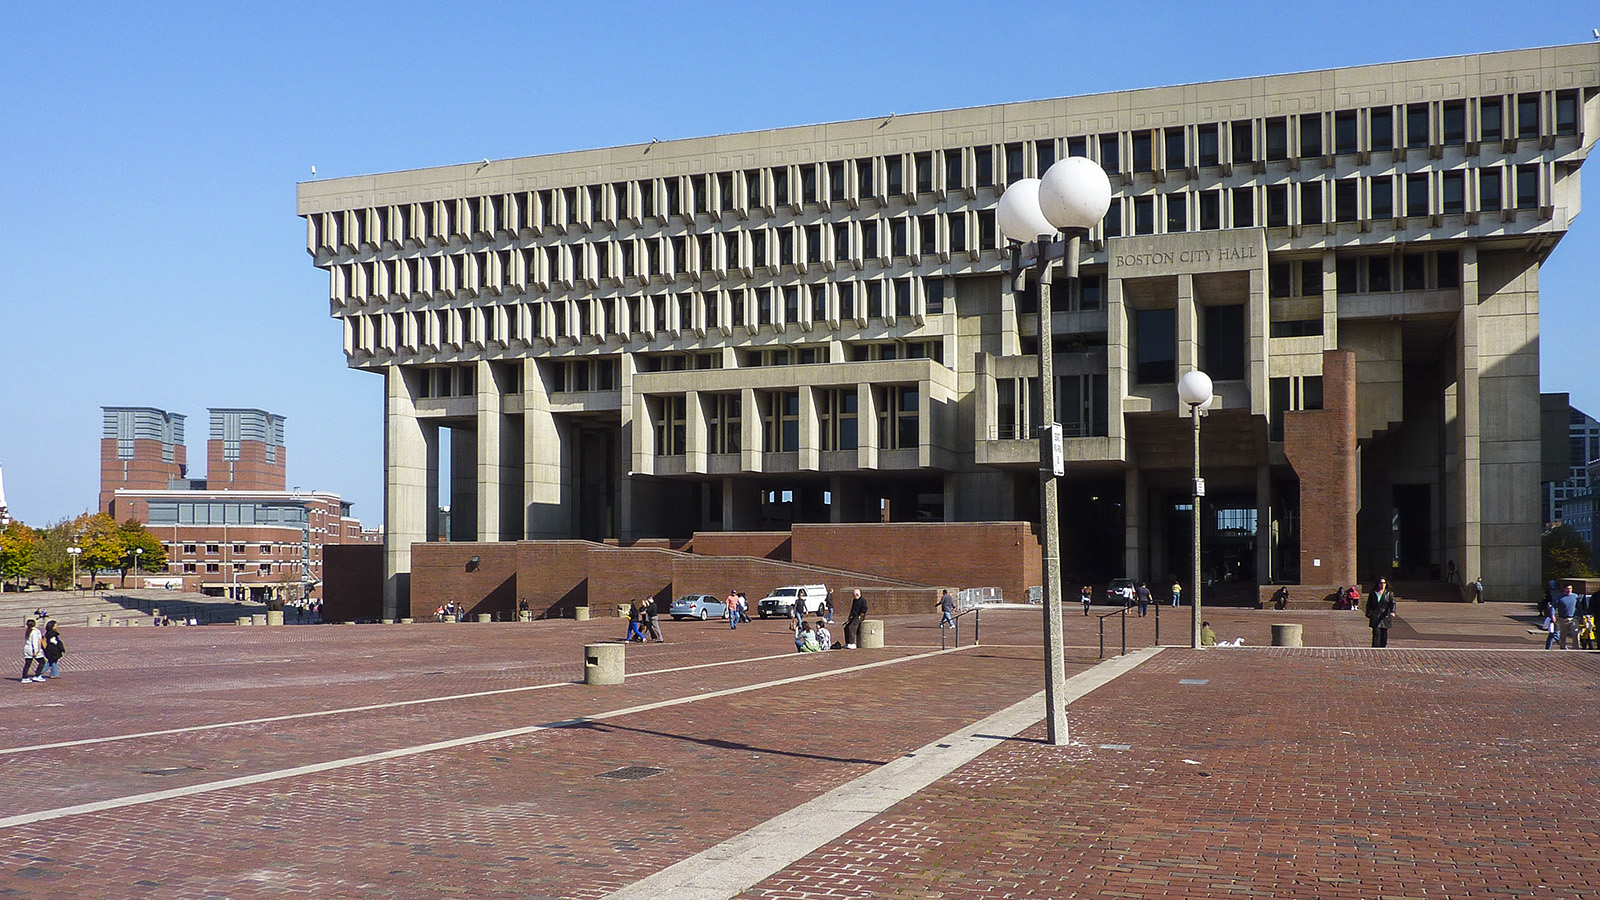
column 815, row 324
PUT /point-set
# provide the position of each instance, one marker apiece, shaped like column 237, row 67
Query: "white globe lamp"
column 1075, row 193
column 1194, row 388
column 1018, row 213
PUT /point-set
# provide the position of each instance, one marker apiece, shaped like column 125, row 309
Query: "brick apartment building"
column 237, row 532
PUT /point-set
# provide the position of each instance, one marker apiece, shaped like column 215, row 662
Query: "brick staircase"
column 126, row 608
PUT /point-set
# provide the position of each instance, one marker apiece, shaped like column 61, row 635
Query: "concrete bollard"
column 406, row 620
column 385, row 621
column 244, row 620
column 871, row 634
column 624, row 610
column 581, row 613
column 94, row 621
column 274, row 617
column 603, row 663
column 484, row 617
column 525, row 616
column 258, row 619
column 1286, row 635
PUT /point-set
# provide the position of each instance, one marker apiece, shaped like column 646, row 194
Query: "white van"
column 781, row 601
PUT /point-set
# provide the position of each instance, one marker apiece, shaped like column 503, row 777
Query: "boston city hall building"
column 810, row 327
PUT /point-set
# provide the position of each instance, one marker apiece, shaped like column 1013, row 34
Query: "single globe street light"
column 1194, row 389
column 1072, row 197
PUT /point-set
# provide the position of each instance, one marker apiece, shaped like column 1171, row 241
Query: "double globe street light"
column 1070, row 199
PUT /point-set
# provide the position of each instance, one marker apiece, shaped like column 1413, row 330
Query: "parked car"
column 781, row 601
column 698, row 606
column 1114, row 591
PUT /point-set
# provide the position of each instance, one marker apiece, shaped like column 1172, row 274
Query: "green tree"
column 134, row 536
column 51, row 562
column 1566, row 554
column 18, row 544
column 101, row 540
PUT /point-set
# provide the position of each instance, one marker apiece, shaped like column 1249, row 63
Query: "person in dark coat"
column 1380, row 612
column 852, row 626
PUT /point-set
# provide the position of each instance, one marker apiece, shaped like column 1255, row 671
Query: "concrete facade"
column 815, row 324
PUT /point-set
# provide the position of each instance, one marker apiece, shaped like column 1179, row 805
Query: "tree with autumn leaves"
column 41, row 553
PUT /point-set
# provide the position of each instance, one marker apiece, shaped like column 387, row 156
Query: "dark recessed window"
column 1448, row 267
column 1453, row 193
column 1380, row 127
column 1345, row 138
column 1311, row 281
column 1417, row 194
column 1414, row 272
column 894, row 175
column 1110, row 154
column 1141, row 151
column 1567, row 113
column 1489, row 190
column 1210, row 210
column 1155, row 353
column 1177, row 213
column 1244, row 208
column 952, row 170
column 983, row 166
column 1527, row 187
column 958, row 232
column 1224, row 338
column 1277, row 206
column 1114, row 218
column 1382, row 197
column 1310, row 203
column 1528, row 116
column 1491, row 125
column 924, row 166
column 1013, row 163
column 1346, row 192
column 1144, row 215
column 1347, row 275
column 1417, row 125
column 1378, row 274
column 1453, row 124
column 1078, row 146
column 780, row 187
column 1280, row 280
column 988, row 237
column 1277, row 138
column 1243, row 141
column 1174, row 141
column 1044, row 156
column 1206, row 151
column 836, row 181
column 1311, row 135
column 864, row 183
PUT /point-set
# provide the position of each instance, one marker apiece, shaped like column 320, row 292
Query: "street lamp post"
column 1194, row 388
column 137, row 552
column 1071, row 198
column 74, row 552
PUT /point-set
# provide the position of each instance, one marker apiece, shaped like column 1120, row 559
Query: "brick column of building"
column 1320, row 445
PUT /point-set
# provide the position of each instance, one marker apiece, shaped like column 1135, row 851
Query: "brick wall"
column 953, row 554
column 444, row 572
column 760, row 544
column 250, row 472
column 1321, row 447
column 352, row 582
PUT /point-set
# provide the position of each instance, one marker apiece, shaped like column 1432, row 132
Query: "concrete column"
column 1264, row 573
column 1134, row 505
column 1256, row 315
column 1330, row 301
column 1188, row 322
column 1469, row 456
column 810, row 431
column 547, row 484
column 836, row 496
column 1117, row 378
column 867, row 413
column 694, row 427
column 751, row 445
column 489, row 475
column 406, row 499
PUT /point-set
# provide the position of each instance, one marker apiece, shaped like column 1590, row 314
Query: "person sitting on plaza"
column 439, row 613
column 805, row 640
column 824, row 636
column 1208, row 638
column 1280, row 598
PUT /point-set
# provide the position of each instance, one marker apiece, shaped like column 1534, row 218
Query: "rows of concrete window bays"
column 746, row 332
column 621, row 260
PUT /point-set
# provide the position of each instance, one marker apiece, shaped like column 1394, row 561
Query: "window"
column 1380, row 127
column 933, row 295
column 1311, row 279
column 1527, row 116
column 238, row 548
column 1210, row 210
column 1417, row 125
column 1173, row 138
column 1014, row 163
column 869, row 238
column 1110, row 154
column 1277, row 138
column 1044, row 156
column 1156, row 334
column 1379, row 278
column 1448, row 266
column 1225, row 352
column 1280, row 282
column 1527, row 187
column 1347, row 275
column 1566, row 113
column 1344, row 132
column 898, row 240
column 898, row 424
column 808, row 184
column 1453, row 193
column 1141, row 151
column 1489, row 197
column 1244, row 208
column 924, row 171
column 983, row 166
column 928, row 235
column 670, row 426
column 836, row 181
column 1453, row 123
column 1310, row 203
column 958, row 232
column 894, row 171
column 841, row 241
column 1113, row 218
column 1078, row 146
column 1144, row 215
column 780, row 421
column 1310, row 135
column 188, row 549
column 1490, row 120
column 1417, row 194
column 875, row 299
column 723, row 423
column 1243, row 142
column 1206, row 138
column 1346, row 192
column 988, row 236
column 1177, row 212
column 1382, row 197
column 837, row 409
column 1091, row 290
column 1414, row 272
column 903, row 300
column 952, row 170
column 1284, row 395
column 864, row 182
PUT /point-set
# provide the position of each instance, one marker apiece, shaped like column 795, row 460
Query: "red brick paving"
column 1321, row 772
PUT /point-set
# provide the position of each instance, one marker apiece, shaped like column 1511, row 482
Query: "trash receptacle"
column 1286, row 635
column 484, row 617
column 603, row 663
column 581, row 613
column 245, row 620
column 871, row 634
column 406, row 620
column 258, row 618
column 274, row 617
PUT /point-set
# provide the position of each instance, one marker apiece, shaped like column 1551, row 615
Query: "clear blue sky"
column 148, row 242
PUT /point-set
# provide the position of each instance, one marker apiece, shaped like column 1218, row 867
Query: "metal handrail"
column 955, row 625
column 1123, row 612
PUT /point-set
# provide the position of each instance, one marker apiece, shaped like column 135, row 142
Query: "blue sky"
column 148, row 242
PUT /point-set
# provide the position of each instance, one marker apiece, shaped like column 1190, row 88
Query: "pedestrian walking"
column 651, row 627
column 1563, row 611
column 947, row 606
column 32, row 652
column 635, row 623
column 1380, row 612
column 1142, row 597
column 54, row 649
column 799, row 611
column 744, row 608
column 732, row 610
column 1177, row 592
column 827, row 609
column 852, row 625
column 1086, row 594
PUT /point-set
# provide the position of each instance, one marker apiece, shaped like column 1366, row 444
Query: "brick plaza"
column 463, row 760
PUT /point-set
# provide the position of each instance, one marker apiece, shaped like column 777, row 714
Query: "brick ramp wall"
column 954, row 554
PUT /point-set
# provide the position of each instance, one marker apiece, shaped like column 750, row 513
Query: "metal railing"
column 945, row 632
column 1123, row 612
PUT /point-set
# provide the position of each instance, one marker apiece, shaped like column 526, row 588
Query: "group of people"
column 41, row 652
column 737, row 609
column 642, row 624
column 1570, row 616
